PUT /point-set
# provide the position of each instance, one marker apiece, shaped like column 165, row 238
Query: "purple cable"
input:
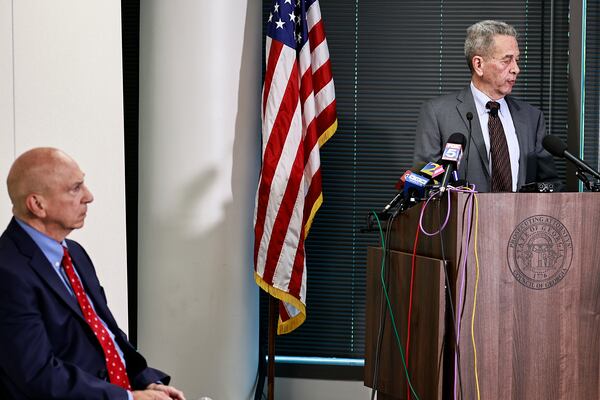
column 467, row 239
column 423, row 212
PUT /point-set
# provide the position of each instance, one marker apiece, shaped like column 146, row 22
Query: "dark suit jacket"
column 441, row 117
column 47, row 350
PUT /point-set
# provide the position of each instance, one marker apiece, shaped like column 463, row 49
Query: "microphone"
column 555, row 146
column 451, row 157
column 470, row 119
column 400, row 188
column 414, row 187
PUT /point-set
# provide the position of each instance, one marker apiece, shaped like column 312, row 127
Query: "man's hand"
column 170, row 391
column 149, row 395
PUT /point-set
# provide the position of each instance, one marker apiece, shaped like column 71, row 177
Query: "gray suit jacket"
column 441, row 117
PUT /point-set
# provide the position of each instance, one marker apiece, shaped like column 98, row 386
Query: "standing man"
column 58, row 339
column 505, row 148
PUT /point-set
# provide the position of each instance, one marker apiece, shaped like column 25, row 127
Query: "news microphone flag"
column 432, row 169
column 452, row 152
column 298, row 117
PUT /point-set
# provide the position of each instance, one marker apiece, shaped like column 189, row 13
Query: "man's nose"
column 88, row 197
column 515, row 69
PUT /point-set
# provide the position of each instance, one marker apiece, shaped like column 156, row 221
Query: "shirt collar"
column 52, row 249
column 481, row 99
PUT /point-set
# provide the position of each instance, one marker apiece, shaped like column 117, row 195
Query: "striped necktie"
column 501, row 171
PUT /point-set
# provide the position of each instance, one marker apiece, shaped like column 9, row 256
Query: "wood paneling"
column 425, row 351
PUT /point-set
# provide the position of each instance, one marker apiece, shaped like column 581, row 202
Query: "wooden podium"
column 536, row 325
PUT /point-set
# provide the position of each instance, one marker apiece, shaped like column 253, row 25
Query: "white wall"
column 199, row 159
column 67, row 93
column 7, row 134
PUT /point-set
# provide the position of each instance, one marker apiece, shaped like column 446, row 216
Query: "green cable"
column 389, row 304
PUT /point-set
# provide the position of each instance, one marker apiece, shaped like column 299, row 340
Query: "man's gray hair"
column 480, row 37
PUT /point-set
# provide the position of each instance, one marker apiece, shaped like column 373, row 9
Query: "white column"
column 199, row 158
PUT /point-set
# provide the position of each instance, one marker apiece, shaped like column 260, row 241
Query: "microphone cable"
column 385, row 256
column 475, row 299
column 448, row 291
column 410, row 295
column 390, row 310
column 461, row 266
column 467, row 229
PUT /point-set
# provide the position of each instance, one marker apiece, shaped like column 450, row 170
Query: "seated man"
column 58, row 339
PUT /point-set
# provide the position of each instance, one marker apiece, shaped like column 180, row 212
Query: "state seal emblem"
column 540, row 251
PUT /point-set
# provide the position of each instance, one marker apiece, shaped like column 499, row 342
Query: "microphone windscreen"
column 554, row 145
column 458, row 138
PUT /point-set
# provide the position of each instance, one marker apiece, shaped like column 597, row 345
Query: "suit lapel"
column 520, row 124
column 40, row 264
column 467, row 104
column 42, row 267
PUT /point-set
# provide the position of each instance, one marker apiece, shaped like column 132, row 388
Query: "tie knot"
column 493, row 106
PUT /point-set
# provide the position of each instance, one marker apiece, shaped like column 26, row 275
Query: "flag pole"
column 273, row 317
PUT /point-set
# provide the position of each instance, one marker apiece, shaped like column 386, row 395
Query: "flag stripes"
column 298, row 111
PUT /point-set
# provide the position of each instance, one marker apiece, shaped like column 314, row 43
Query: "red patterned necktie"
column 501, row 171
column 114, row 365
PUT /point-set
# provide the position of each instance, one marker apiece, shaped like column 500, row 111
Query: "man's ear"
column 36, row 205
column 477, row 63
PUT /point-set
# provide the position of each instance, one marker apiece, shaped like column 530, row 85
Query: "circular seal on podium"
column 540, row 251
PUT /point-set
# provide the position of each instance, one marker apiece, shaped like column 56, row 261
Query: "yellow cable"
column 475, row 297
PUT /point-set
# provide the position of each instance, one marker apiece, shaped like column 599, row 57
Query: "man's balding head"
column 33, row 172
column 46, row 189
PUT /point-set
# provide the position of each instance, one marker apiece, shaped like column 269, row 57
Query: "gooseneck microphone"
column 555, row 146
column 470, row 119
column 451, row 157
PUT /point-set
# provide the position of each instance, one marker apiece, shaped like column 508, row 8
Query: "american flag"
column 298, row 117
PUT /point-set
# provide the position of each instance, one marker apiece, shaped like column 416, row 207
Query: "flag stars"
column 270, row 17
column 298, row 37
column 287, row 2
column 276, row 7
column 279, row 24
column 292, row 17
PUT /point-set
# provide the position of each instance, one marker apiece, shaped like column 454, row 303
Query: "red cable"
column 410, row 296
